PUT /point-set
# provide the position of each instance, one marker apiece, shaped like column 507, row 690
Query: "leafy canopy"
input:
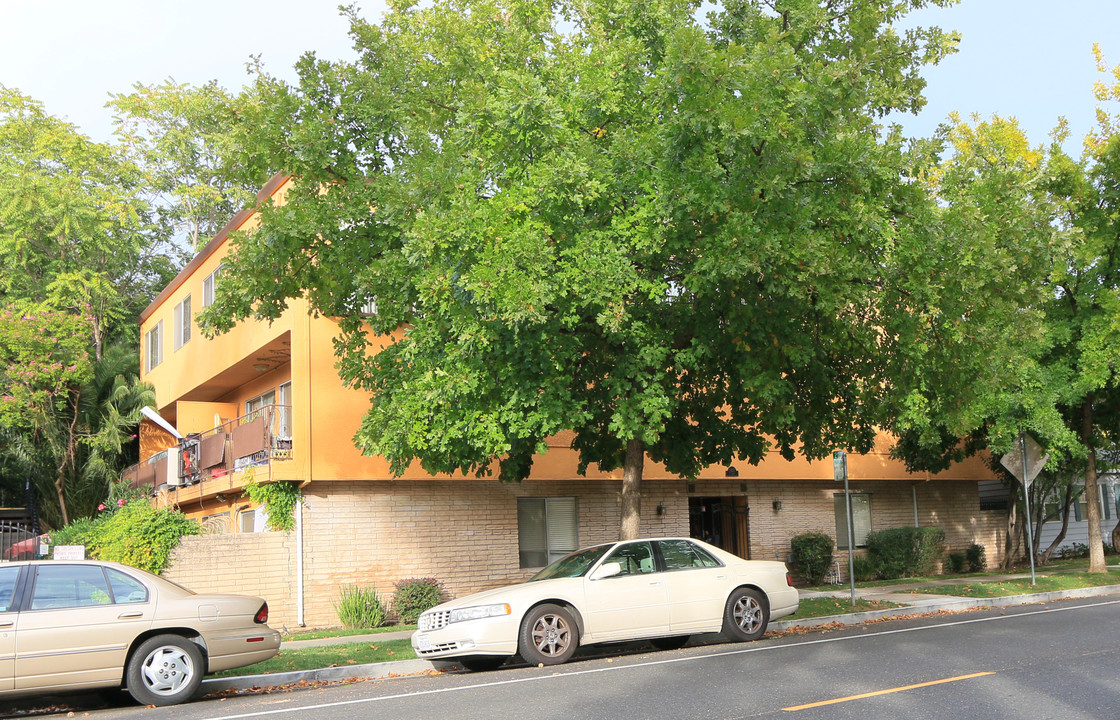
column 639, row 222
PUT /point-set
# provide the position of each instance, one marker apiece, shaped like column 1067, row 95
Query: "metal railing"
column 253, row 439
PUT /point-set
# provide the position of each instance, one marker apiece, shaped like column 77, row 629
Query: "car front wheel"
column 548, row 635
column 746, row 615
column 164, row 670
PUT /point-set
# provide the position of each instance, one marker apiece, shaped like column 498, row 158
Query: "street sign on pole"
column 1031, row 458
column 840, row 473
column 1025, row 463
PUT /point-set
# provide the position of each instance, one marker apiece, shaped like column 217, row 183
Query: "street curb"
column 953, row 605
column 375, row 671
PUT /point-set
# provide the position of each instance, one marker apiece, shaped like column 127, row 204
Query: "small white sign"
column 69, row 552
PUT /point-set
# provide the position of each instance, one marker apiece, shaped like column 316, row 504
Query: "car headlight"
column 479, row 612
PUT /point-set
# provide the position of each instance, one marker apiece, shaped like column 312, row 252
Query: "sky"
column 1030, row 59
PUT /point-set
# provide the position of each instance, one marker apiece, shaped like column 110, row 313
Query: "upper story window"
column 208, row 287
column 260, row 401
column 153, row 342
column 183, row 322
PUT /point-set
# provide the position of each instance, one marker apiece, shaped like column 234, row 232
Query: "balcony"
column 218, row 459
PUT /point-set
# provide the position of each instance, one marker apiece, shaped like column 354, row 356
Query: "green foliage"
column 129, row 531
column 186, row 139
column 661, row 230
column 955, row 563
column 82, row 531
column 863, row 568
column 413, row 596
column 976, row 558
column 141, row 536
column 279, row 498
column 812, row 555
column 905, row 551
column 359, row 607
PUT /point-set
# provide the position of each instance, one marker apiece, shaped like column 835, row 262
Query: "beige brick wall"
column 464, row 533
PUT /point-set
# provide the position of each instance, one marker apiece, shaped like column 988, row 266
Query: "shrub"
column 812, row 555
column 905, row 551
column 413, row 596
column 955, row 563
column 863, row 568
column 977, row 559
column 80, row 532
column 142, row 536
column 359, row 607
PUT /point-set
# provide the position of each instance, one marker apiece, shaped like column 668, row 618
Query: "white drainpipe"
column 299, row 564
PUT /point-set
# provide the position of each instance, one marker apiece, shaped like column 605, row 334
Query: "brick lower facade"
column 464, row 533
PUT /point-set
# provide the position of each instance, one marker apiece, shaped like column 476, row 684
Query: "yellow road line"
column 885, row 692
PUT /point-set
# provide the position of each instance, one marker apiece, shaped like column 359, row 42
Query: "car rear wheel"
column 746, row 615
column 669, row 643
column 481, row 663
column 548, row 636
column 164, row 670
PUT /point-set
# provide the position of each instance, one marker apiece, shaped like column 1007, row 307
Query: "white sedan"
column 662, row 590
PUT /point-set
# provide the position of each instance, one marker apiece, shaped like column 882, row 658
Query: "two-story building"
column 263, row 403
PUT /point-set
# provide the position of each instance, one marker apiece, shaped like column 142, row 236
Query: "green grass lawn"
column 824, row 606
column 343, row 632
column 1045, row 583
column 315, row 658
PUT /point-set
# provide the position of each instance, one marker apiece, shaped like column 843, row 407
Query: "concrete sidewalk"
column 906, row 595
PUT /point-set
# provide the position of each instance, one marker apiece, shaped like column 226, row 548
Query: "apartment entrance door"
column 723, row 522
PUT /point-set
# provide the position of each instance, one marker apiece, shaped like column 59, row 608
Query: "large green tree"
column 186, row 141
column 1039, row 354
column 76, row 267
column 665, row 226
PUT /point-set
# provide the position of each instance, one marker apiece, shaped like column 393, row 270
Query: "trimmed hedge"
column 812, row 555
column 905, row 551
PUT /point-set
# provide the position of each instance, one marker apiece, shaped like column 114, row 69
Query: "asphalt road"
column 1057, row 660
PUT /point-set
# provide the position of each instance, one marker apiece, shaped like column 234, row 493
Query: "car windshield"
column 573, row 565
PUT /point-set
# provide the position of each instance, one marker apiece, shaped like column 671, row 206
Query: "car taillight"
column 789, row 581
column 262, row 615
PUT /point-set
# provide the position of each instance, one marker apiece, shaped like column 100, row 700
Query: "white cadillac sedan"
column 661, row 589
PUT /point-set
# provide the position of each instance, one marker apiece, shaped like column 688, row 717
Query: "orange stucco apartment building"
column 263, row 403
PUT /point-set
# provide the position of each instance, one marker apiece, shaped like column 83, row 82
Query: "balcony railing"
column 250, row 440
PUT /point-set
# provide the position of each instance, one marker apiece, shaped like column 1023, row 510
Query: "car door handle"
column 721, row 577
column 654, row 583
column 130, row 615
column 7, row 624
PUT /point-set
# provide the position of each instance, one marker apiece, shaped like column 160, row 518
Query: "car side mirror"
column 606, row 570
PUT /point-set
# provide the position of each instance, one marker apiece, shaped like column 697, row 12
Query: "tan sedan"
column 90, row 624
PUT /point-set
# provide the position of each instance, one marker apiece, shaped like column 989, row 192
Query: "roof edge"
column 274, row 183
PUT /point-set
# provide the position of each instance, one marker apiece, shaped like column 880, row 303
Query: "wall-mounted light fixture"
column 660, row 509
column 777, row 505
column 731, row 472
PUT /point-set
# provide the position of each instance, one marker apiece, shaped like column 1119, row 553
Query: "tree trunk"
column 1116, row 536
column 630, row 527
column 1092, row 491
column 1015, row 532
column 1045, row 557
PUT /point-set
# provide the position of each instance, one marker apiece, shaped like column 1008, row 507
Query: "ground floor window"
column 861, row 519
column 547, row 530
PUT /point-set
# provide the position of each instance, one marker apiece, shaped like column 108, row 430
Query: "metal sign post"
column 840, row 472
column 1025, row 465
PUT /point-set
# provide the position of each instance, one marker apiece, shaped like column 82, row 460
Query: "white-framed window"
column 153, row 343
column 208, row 285
column 861, row 519
column 260, row 401
column 182, row 323
column 284, row 412
column 547, row 530
column 253, row 521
